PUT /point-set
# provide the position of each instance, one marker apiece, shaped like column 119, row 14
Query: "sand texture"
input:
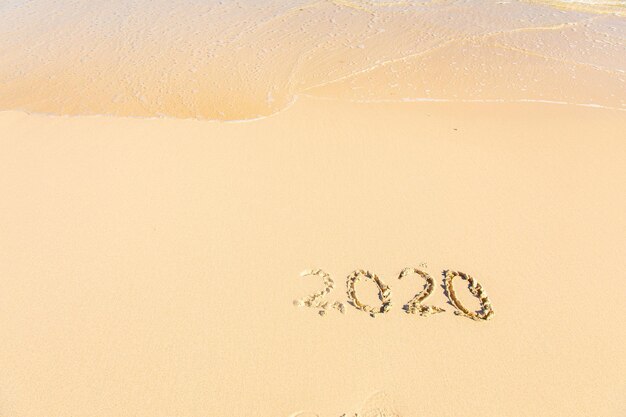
column 149, row 267
column 232, row 60
column 302, row 208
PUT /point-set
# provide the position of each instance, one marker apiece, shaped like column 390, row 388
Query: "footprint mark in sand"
column 377, row 405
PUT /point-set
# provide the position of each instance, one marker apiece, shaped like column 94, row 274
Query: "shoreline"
column 220, row 61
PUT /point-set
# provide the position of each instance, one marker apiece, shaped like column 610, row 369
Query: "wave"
column 244, row 60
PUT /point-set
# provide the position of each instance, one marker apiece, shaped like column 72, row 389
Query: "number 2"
column 315, row 300
column 415, row 304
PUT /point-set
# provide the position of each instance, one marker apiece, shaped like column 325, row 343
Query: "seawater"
column 230, row 60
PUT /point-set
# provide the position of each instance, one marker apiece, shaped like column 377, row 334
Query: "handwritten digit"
column 477, row 291
column 315, row 300
column 415, row 304
column 384, row 293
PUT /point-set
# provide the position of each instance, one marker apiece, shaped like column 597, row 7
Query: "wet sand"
column 237, row 60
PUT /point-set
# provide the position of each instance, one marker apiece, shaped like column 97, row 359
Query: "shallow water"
column 239, row 60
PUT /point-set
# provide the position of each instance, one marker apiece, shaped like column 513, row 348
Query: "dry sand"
column 149, row 266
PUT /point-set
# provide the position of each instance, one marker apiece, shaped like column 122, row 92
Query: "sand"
column 149, row 267
column 300, row 208
column 230, row 60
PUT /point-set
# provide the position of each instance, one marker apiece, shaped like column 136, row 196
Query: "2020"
column 414, row 306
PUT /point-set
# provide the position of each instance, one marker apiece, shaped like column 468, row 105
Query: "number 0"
column 477, row 291
column 383, row 291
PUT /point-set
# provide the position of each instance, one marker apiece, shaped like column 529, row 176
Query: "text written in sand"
column 414, row 306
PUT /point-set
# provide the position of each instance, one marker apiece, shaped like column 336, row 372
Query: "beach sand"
column 169, row 171
column 149, row 266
